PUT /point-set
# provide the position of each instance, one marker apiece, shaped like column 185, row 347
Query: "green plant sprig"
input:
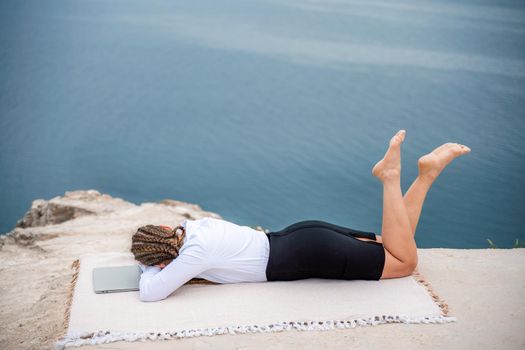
column 517, row 244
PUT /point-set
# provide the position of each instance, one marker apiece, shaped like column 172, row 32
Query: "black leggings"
column 319, row 249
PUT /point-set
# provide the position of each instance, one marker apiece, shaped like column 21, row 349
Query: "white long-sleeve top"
column 213, row 249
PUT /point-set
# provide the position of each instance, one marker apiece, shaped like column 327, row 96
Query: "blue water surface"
column 267, row 112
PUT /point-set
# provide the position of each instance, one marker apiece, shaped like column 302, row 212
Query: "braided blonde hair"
column 152, row 245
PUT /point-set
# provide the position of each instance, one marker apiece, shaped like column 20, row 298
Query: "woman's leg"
column 397, row 236
column 414, row 198
column 430, row 166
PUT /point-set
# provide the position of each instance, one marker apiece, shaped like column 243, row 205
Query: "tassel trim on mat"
column 75, row 266
column 107, row 336
column 422, row 281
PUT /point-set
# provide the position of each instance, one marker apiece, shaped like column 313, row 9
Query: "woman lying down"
column 217, row 251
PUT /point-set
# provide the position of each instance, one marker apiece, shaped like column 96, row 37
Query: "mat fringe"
column 106, row 336
column 422, row 281
column 75, row 266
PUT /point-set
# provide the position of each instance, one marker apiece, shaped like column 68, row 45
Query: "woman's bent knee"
column 411, row 266
column 396, row 268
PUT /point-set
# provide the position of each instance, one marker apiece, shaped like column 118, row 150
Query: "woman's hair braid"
column 152, row 245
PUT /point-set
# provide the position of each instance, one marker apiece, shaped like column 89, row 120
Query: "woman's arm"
column 157, row 284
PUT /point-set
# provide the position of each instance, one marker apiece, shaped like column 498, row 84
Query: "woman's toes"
column 459, row 149
column 433, row 163
column 401, row 135
column 398, row 138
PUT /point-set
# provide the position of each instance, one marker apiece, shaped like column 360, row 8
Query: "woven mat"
column 197, row 309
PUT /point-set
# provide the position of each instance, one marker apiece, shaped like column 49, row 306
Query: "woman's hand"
column 163, row 265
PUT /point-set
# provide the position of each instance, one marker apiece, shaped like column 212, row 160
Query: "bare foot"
column 430, row 165
column 390, row 166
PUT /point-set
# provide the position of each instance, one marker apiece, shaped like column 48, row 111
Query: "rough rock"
column 72, row 205
column 35, row 257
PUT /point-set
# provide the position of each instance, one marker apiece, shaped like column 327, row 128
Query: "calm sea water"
column 267, row 112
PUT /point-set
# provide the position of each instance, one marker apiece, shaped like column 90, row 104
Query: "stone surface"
column 484, row 288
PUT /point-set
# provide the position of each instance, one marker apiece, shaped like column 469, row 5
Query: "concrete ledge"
column 484, row 288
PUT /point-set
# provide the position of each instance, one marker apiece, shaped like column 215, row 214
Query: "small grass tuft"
column 517, row 244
